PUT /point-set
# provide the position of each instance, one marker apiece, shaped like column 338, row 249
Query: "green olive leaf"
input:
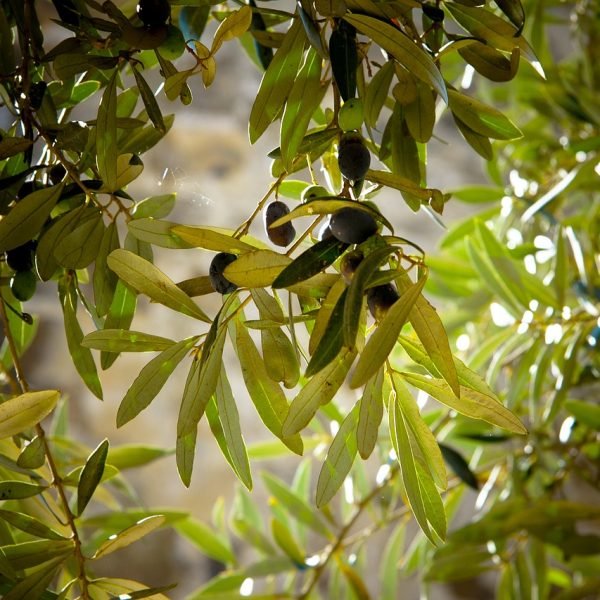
column 91, row 475
column 22, row 412
column 147, row 279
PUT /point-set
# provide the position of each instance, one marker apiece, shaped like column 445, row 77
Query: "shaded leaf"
column 402, row 48
column 206, row 540
column 30, row 525
column 370, row 415
column 16, row 490
column 459, row 465
column 91, row 475
column 106, row 135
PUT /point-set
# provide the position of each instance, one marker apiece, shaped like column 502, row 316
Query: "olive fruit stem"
column 243, row 229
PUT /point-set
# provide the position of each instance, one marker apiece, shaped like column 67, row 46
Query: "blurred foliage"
column 511, row 414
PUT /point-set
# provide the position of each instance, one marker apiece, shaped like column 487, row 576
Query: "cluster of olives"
column 379, row 298
column 21, row 260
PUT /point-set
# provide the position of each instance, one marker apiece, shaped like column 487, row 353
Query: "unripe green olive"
column 174, row 46
column 349, row 264
column 354, row 158
column 283, row 235
column 352, row 226
column 23, row 285
column 380, row 299
column 351, row 115
column 215, row 272
column 314, row 191
column 153, row 12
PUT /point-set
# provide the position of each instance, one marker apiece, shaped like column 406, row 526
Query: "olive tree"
column 356, row 88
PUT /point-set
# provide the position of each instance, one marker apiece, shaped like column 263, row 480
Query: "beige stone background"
column 219, row 177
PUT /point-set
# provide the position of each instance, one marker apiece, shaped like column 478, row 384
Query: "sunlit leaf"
column 24, row 411
column 339, row 459
column 385, row 336
column 130, row 535
column 145, row 278
column 471, row 403
column 123, row 340
column 370, row 415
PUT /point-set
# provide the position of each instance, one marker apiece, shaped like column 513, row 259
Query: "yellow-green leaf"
column 147, row 279
column 277, row 81
column 370, row 415
column 339, row 459
column 258, row 268
column 430, row 330
column 130, row 535
column 386, row 334
column 471, row 403
column 151, row 380
column 268, row 398
column 231, row 27
column 210, row 239
column 24, row 411
column 124, row 340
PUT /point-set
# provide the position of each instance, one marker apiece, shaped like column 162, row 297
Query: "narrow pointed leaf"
column 147, row 279
column 30, row 525
column 91, row 475
column 124, row 340
column 277, row 81
column 268, row 398
column 370, row 415
column 459, row 465
column 304, row 98
column 185, row 451
column 206, row 540
column 230, row 422
column 150, row 103
column 431, row 332
column 151, row 380
column 422, row 435
column 130, row 535
column 120, row 316
column 471, row 403
column 377, row 93
column 319, row 390
column 339, row 459
column 16, row 490
column 210, row 239
column 382, row 341
column 106, row 134
column 82, row 357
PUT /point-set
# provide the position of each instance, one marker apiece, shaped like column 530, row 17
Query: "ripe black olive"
column 380, row 299
column 354, row 158
column 57, row 174
column 352, row 225
column 153, row 13
column 350, row 263
column 21, row 258
column 215, row 272
column 433, row 12
column 23, row 285
column 284, row 234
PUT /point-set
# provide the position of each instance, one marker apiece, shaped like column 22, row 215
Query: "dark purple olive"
column 380, row 299
column 284, row 234
column 57, row 174
column 349, row 264
column 153, row 13
column 215, row 272
column 354, row 158
column 21, row 258
column 352, row 225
